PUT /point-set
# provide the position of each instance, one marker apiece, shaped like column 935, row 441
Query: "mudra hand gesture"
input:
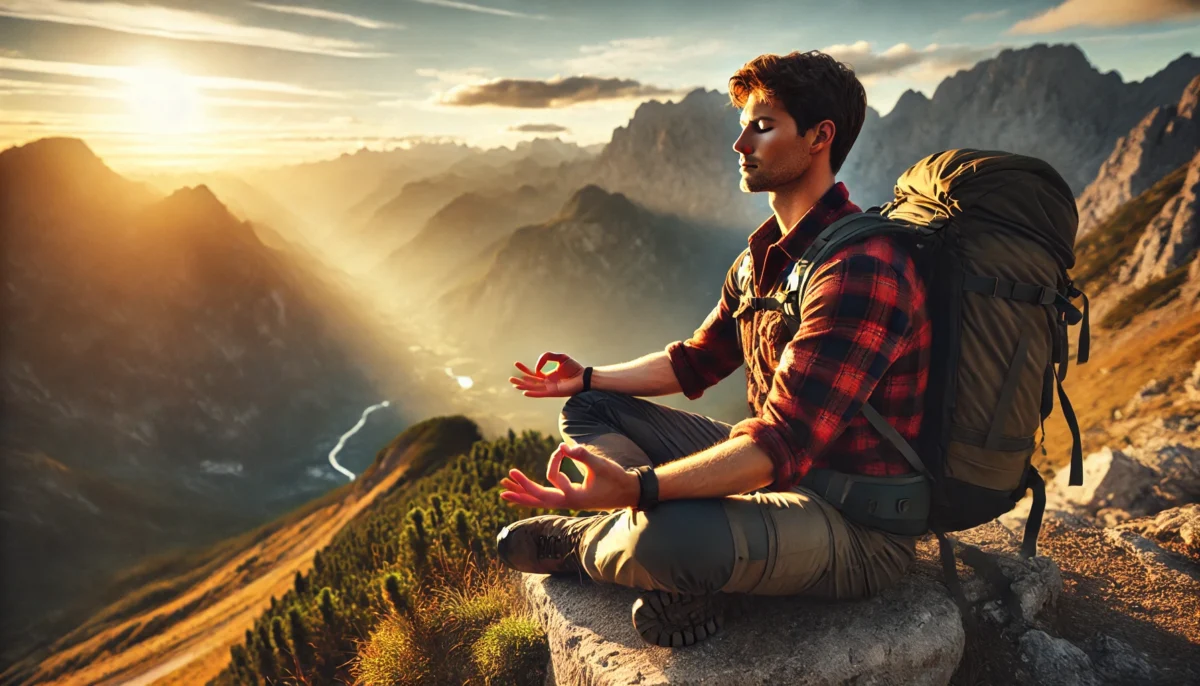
column 606, row 486
column 565, row 380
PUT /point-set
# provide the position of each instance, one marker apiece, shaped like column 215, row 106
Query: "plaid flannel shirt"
column 864, row 333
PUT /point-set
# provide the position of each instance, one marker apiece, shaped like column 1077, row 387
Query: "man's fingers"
column 527, row 370
column 535, row 489
column 548, row 357
column 554, row 471
column 509, row 484
column 522, row 499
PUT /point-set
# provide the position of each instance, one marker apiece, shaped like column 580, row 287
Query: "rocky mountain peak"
column 1165, row 138
column 1189, row 99
column 594, row 204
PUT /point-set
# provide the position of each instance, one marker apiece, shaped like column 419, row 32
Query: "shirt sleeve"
column 855, row 321
column 713, row 351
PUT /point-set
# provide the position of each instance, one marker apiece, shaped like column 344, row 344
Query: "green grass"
column 1098, row 254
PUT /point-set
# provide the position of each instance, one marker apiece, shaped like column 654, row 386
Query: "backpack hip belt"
column 895, row 504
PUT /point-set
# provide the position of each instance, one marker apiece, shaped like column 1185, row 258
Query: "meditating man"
column 693, row 508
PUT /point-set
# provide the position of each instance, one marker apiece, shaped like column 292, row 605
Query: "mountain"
column 402, row 217
column 434, row 260
column 324, row 192
column 1046, row 101
column 677, row 158
column 1162, row 141
column 606, row 280
column 157, row 358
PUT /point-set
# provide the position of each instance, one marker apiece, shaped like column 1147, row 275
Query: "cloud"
column 471, row 7
column 539, row 128
column 456, row 77
column 633, row 55
column 552, row 93
column 178, row 24
column 107, row 72
column 983, row 16
column 1105, row 13
column 902, row 57
column 329, row 15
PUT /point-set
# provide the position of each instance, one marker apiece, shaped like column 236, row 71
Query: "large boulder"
column 909, row 634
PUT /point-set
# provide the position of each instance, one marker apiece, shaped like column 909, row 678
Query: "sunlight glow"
column 164, row 101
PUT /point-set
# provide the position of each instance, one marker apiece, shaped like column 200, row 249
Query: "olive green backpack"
column 993, row 235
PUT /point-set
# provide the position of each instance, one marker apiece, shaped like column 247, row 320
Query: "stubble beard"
column 775, row 179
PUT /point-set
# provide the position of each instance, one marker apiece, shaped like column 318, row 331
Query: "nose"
column 742, row 144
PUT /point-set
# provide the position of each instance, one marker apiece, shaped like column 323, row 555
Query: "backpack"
column 992, row 234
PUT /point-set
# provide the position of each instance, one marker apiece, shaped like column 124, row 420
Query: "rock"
column 1111, row 479
column 1117, row 662
column 1176, row 469
column 1156, row 560
column 1036, row 585
column 1192, row 385
column 1055, row 661
column 1170, row 238
column 909, row 634
column 1180, row 524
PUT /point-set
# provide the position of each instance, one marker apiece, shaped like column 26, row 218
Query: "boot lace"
column 554, row 547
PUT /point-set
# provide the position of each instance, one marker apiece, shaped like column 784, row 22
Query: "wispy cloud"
column 329, row 15
column 179, row 24
column 107, row 72
column 551, row 93
column 456, row 77
column 539, row 128
column 1102, row 13
column 634, row 55
column 983, row 16
column 902, row 57
column 471, row 7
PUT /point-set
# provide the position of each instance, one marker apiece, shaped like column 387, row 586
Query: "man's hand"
column 565, row 380
column 607, row 486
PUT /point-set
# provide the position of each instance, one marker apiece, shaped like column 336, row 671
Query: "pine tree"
column 301, row 584
column 301, row 646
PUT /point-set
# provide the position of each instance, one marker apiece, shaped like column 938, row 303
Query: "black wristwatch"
column 587, row 378
column 647, row 487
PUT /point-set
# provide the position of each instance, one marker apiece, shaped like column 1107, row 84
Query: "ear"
column 822, row 137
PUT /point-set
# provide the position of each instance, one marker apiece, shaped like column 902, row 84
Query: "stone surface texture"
column 910, row 634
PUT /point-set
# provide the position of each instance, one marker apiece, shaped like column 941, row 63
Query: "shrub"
column 390, row 657
column 512, row 651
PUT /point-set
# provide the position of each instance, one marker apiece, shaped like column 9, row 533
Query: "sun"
column 163, row 100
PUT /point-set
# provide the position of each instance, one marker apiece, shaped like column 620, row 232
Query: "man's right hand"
column 565, row 380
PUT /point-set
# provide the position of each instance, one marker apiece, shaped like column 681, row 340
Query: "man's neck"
column 792, row 202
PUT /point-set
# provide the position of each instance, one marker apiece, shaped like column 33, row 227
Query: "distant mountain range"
column 158, row 358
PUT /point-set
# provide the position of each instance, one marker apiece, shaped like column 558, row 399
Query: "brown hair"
column 812, row 87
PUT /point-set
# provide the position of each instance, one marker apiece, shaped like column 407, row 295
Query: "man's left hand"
column 606, row 486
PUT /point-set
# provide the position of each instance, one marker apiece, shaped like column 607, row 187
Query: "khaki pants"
column 768, row 543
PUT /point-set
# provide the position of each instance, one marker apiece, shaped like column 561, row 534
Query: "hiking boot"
column 672, row 620
column 548, row 544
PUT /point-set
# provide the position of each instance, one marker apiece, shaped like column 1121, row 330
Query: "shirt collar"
column 824, row 212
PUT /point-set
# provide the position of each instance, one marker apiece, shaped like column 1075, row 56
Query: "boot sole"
column 673, row 620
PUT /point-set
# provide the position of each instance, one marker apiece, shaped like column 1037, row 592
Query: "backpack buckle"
column 995, row 284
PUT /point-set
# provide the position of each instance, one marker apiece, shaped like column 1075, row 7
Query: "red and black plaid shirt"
column 864, row 333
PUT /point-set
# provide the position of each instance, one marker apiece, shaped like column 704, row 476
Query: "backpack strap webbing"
column 1033, row 525
column 889, row 432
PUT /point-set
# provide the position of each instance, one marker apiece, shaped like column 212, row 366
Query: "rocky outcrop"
column 1170, row 240
column 910, row 634
column 1162, row 141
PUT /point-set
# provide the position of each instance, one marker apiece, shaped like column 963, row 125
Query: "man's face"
column 771, row 152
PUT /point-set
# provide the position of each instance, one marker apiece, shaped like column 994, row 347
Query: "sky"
column 228, row 84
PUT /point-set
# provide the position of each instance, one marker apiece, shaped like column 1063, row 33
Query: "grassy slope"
column 182, row 585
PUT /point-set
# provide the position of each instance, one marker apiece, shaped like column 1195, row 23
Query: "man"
column 863, row 334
